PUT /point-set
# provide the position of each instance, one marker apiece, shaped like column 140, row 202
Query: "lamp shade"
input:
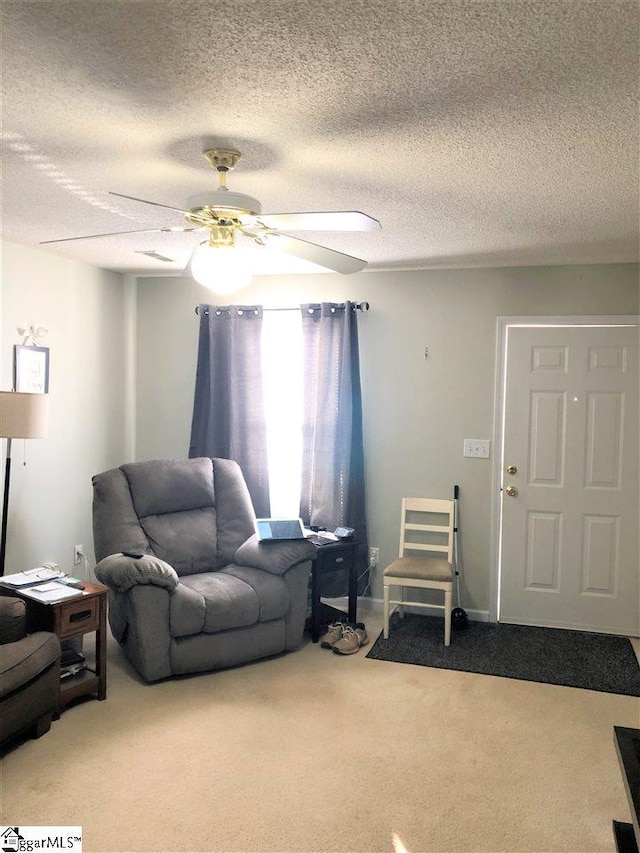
column 23, row 415
column 223, row 269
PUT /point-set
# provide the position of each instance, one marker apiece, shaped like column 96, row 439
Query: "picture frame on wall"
column 31, row 369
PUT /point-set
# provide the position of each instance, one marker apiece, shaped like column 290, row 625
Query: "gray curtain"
column 228, row 411
column 333, row 492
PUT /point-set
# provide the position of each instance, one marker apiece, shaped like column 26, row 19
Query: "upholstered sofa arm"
column 121, row 573
column 26, row 659
column 274, row 557
column 12, row 619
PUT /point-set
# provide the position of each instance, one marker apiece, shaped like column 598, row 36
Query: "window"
column 282, row 385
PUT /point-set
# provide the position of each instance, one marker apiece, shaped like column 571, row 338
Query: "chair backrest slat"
column 432, row 532
column 421, row 546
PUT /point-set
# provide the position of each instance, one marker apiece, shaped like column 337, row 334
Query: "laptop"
column 277, row 529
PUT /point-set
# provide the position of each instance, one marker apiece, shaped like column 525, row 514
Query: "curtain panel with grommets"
column 228, row 411
column 333, row 488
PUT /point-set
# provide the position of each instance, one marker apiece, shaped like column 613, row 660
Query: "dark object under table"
column 627, row 742
column 329, row 559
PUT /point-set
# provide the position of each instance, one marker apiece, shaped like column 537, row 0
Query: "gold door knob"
column 511, row 469
column 512, row 491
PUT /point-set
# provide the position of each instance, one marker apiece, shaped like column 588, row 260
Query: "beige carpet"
column 313, row 752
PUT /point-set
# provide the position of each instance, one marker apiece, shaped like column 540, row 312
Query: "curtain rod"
column 359, row 306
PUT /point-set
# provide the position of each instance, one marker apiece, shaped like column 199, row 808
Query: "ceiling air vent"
column 152, row 254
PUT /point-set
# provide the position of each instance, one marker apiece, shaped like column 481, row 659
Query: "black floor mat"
column 554, row 656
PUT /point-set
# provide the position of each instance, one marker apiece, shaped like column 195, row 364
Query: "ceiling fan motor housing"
column 222, row 159
column 222, row 205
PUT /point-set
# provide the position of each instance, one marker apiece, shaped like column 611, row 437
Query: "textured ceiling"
column 479, row 133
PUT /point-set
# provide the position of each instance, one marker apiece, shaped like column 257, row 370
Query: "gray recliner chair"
column 206, row 593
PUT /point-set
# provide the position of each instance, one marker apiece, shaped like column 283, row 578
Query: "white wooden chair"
column 426, row 557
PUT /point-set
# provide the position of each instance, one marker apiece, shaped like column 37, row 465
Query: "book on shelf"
column 51, row 593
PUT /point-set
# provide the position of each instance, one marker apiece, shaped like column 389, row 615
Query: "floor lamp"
column 22, row 415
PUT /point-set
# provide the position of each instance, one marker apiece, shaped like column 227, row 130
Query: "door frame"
column 503, row 325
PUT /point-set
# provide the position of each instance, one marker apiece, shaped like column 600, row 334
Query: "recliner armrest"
column 12, row 619
column 121, row 573
column 274, row 557
column 26, row 659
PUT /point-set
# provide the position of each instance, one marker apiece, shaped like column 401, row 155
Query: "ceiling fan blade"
column 329, row 258
column 177, row 228
column 339, row 220
column 154, row 203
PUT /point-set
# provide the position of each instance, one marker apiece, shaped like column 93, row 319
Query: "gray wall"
column 83, row 309
column 123, row 369
column 416, row 411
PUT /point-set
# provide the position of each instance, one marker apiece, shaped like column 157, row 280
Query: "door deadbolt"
column 511, row 469
column 512, row 491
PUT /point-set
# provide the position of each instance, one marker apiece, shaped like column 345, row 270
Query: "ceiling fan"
column 223, row 215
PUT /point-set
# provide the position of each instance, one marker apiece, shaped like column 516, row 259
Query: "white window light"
column 283, row 389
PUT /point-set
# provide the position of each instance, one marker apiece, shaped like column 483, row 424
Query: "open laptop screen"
column 272, row 529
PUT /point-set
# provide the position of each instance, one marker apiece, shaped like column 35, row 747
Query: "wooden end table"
column 74, row 618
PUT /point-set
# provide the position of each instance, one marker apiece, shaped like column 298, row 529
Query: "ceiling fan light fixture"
column 222, row 269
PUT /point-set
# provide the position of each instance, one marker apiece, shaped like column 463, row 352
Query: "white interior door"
column 569, row 554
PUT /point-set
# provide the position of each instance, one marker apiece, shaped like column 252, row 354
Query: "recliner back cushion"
column 160, row 486
column 186, row 540
column 175, row 503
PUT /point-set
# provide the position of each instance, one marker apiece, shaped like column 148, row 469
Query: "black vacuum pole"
column 459, row 618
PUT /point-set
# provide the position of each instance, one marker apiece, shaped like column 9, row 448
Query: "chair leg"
column 385, row 608
column 447, row 616
column 403, row 595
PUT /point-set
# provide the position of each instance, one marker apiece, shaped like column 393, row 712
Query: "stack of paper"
column 49, row 593
column 30, row 577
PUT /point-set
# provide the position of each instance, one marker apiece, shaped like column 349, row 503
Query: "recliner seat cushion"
column 271, row 590
column 235, row 597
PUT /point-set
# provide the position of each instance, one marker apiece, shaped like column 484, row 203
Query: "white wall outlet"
column 374, row 556
column 78, row 554
column 477, row 448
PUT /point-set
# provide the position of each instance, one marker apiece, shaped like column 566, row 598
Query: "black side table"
column 334, row 557
column 627, row 741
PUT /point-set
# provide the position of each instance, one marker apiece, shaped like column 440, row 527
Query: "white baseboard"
column 375, row 604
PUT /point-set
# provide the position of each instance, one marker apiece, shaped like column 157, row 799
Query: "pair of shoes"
column 352, row 639
column 345, row 638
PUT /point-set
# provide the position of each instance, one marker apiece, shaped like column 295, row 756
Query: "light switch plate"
column 477, row 448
